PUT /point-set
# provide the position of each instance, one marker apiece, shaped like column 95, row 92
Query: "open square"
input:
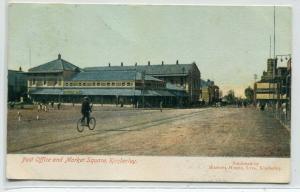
column 227, row 131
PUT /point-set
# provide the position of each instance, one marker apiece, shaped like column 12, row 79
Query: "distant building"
column 274, row 85
column 148, row 85
column 209, row 92
column 17, row 85
column 184, row 77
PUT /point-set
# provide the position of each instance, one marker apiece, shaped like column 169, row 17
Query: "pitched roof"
column 57, row 65
column 111, row 76
column 166, row 69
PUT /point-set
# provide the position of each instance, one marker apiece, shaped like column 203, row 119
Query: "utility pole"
column 270, row 49
column 275, row 60
column 143, row 88
column 254, row 89
column 29, row 57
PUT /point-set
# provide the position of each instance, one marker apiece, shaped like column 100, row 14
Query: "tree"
column 249, row 93
column 230, row 97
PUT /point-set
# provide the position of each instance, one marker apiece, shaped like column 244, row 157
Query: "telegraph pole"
column 254, row 89
column 275, row 59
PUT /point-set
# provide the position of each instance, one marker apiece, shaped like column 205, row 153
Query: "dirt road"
column 189, row 132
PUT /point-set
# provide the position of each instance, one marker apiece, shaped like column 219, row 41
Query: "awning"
column 101, row 91
column 161, row 93
column 120, row 92
column 46, row 91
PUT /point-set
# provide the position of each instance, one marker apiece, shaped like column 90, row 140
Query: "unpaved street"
column 189, row 132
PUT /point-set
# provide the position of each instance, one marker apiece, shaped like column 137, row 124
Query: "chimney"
column 121, row 64
column 177, row 62
column 162, row 63
column 148, row 63
column 108, row 64
column 135, row 64
column 59, row 56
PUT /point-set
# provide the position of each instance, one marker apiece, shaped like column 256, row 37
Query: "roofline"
column 15, row 70
column 135, row 66
column 44, row 72
column 169, row 74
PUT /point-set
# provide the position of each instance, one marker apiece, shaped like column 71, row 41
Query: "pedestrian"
column 39, row 107
column 19, row 116
column 161, row 105
column 58, row 106
column 45, row 107
column 52, row 104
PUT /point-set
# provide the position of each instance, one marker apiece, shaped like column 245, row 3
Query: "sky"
column 228, row 43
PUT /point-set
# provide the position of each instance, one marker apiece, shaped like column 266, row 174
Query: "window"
column 94, row 83
column 98, row 84
column 118, row 84
column 83, row 84
column 113, row 84
column 79, row 84
column 108, row 83
column 71, row 84
column 103, row 84
column 45, row 82
column 123, row 84
column 33, row 81
column 67, row 84
column 128, row 84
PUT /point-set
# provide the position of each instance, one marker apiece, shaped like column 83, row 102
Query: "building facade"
column 142, row 86
column 274, row 86
column 209, row 92
column 183, row 77
column 17, row 85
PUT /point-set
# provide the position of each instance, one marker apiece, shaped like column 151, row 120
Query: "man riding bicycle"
column 86, row 109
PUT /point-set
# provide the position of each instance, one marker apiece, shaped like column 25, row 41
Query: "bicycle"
column 81, row 123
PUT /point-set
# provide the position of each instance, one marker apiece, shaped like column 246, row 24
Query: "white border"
column 295, row 148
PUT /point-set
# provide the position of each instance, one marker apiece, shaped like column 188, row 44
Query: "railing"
column 281, row 113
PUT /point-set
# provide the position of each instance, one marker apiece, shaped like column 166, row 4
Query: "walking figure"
column 161, row 105
column 45, row 107
column 39, row 107
column 19, row 116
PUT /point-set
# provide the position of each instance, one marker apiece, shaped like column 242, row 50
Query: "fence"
column 282, row 113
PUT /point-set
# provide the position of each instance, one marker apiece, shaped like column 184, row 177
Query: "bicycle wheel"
column 80, row 125
column 92, row 123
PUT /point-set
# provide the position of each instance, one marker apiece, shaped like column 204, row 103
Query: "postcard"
column 185, row 93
